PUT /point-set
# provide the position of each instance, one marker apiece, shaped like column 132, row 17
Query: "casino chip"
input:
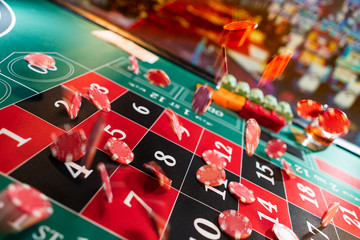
column 69, row 146
column 201, row 100
column 99, row 99
column 244, row 194
column 275, row 148
column 288, row 169
column 235, row 224
column 134, row 65
column 252, row 136
column 105, row 180
column 159, row 173
column 330, row 214
column 175, row 123
column 282, row 232
column 210, row 175
column 75, row 104
column 120, row 151
column 158, row 77
column 214, row 158
column 40, row 60
column 309, row 109
column 334, row 121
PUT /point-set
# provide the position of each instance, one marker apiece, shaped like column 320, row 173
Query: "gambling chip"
column 105, row 180
column 235, row 224
column 309, row 109
column 134, row 66
column 244, row 194
column 201, row 100
column 275, row 148
column 234, row 34
column 288, row 169
column 158, row 77
column 252, row 136
column 74, row 106
column 330, row 214
column 120, row 151
column 159, row 173
column 99, row 99
column 40, row 60
column 210, row 175
column 174, row 123
column 282, row 232
column 334, row 121
column 25, row 201
column 214, row 158
column 69, row 146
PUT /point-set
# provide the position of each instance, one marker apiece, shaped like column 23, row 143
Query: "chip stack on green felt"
column 284, row 109
column 270, row 102
column 242, row 88
column 228, row 82
column 257, row 96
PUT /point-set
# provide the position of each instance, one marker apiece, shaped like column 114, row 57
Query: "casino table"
column 31, row 115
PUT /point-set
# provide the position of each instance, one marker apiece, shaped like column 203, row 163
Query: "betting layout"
column 138, row 116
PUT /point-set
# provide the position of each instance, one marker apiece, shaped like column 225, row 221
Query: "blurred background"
column 324, row 34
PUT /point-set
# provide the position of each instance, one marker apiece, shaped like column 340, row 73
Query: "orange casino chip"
column 334, row 121
column 309, row 109
column 210, row 175
column 234, row 34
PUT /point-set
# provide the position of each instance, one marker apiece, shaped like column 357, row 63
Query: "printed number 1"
column 21, row 141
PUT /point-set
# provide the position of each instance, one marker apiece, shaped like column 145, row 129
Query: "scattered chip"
column 288, row 169
column 309, row 109
column 244, row 194
column 69, row 146
column 252, row 136
column 235, row 34
column 75, row 104
column 334, row 121
column 174, row 123
column 282, row 232
column 235, row 224
column 275, row 148
column 22, row 200
column 40, row 60
column 120, row 151
column 275, row 67
column 158, row 77
column 159, row 173
column 214, row 158
column 99, row 99
column 201, row 100
column 330, row 214
column 105, row 180
column 134, row 66
column 210, row 175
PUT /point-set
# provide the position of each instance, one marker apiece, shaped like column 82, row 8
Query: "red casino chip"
column 334, row 121
column 252, row 136
column 275, row 148
column 134, row 66
column 309, row 109
column 282, row 232
column 235, row 224
column 99, row 99
column 105, row 180
column 40, row 60
column 201, row 100
column 159, row 173
column 69, row 146
column 120, row 151
column 174, row 123
column 74, row 106
column 158, row 77
column 330, row 214
column 210, row 175
column 244, row 194
column 214, row 158
column 288, row 169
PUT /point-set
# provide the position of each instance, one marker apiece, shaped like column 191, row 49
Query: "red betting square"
column 266, row 210
column 22, row 135
column 229, row 150
column 305, row 195
column 131, row 188
column 348, row 215
column 83, row 82
column 115, row 126
column 190, row 136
